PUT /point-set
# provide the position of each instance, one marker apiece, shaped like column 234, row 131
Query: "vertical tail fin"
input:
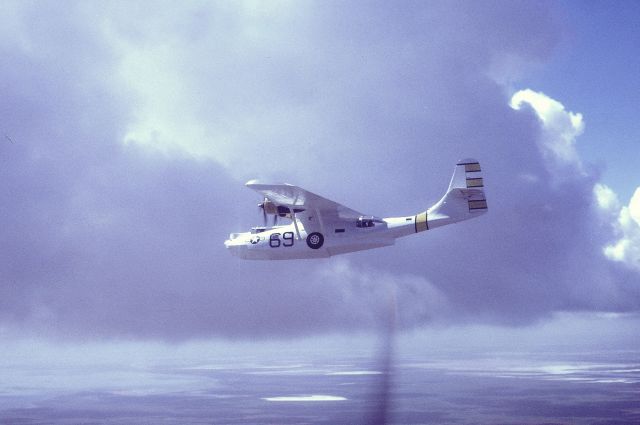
column 465, row 198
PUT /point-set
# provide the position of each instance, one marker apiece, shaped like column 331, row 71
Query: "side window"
column 365, row 222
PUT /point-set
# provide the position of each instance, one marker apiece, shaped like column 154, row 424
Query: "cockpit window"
column 365, row 222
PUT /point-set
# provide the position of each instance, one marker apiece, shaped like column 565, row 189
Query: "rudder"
column 468, row 177
column 465, row 198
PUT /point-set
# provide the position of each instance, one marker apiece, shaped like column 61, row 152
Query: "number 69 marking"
column 275, row 242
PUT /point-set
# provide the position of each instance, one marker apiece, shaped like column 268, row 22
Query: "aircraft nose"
column 236, row 249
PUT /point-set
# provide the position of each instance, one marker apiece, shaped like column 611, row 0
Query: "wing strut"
column 319, row 219
column 295, row 223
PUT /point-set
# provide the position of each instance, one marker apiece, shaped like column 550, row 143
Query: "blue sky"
column 593, row 72
column 134, row 127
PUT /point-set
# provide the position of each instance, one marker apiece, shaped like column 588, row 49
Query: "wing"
column 295, row 197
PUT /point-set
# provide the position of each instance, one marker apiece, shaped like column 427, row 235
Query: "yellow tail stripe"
column 421, row 222
column 471, row 167
column 478, row 205
column 475, row 182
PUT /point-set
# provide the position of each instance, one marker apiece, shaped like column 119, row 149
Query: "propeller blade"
column 264, row 211
column 382, row 394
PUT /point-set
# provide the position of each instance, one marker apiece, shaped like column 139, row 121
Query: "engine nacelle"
column 268, row 207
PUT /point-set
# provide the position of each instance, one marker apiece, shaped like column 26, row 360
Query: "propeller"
column 268, row 207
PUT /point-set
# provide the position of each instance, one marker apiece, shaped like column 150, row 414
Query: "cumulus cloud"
column 305, row 84
column 627, row 227
column 560, row 127
column 606, row 198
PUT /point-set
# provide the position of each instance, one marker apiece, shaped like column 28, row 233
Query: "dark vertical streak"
column 381, row 396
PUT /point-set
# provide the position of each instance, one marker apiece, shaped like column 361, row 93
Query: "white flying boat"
column 321, row 228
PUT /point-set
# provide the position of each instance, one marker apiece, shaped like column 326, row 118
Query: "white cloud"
column 606, row 198
column 529, row 178
column 201, row 78
column 627, row 248
column 413, row 299
column 560, row 127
